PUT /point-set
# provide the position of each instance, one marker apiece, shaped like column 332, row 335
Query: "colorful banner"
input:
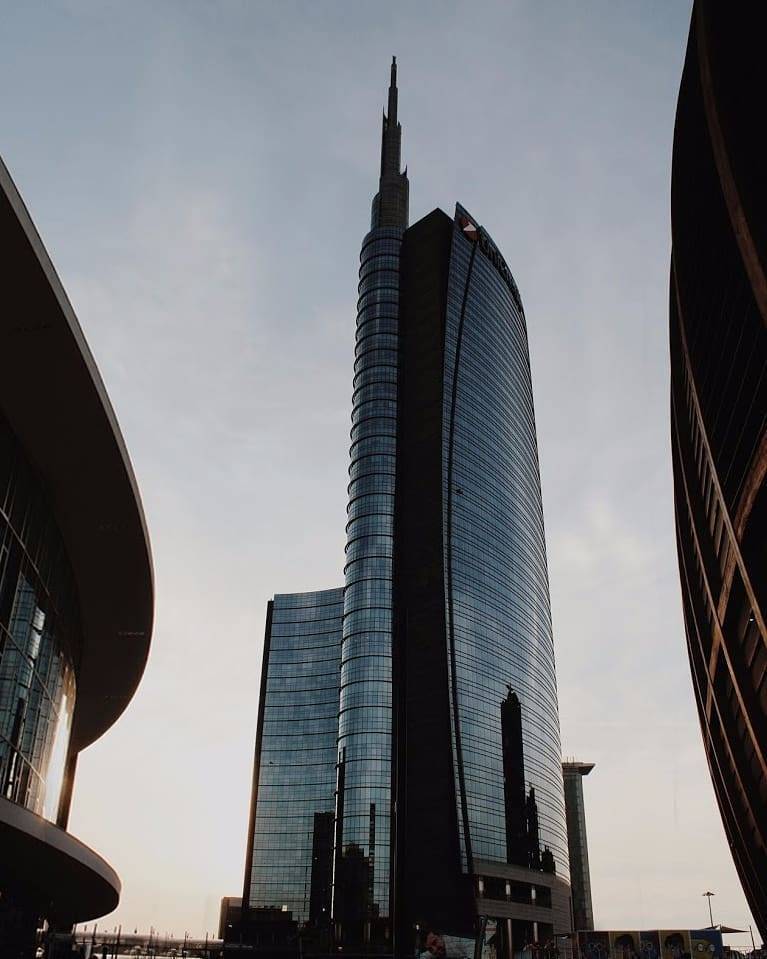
column 706, row 944
column 594, row 945
column 675, row 944
column 624, row 945
column 649, row 944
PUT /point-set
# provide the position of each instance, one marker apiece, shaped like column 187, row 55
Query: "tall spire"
column 390, row 205
column 393, row 92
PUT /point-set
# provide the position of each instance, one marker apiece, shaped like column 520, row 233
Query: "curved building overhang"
column 53, row 870
column 557, row 913
column 55, row 401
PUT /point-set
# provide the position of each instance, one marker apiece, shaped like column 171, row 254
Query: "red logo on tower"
column 470, row 230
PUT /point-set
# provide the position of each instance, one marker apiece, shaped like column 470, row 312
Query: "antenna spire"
column 393, row 92
column 390, row 206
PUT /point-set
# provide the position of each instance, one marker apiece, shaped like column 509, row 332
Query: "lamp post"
column 708, row 895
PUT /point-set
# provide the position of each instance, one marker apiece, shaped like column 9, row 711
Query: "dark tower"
column 718, row 339
column 321, row 880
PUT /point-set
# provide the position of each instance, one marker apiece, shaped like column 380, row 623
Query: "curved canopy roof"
column 52, row 395
column 51, row 869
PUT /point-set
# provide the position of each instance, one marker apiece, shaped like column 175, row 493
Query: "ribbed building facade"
column 448, row 816
column 365, row 714
column 718, row 311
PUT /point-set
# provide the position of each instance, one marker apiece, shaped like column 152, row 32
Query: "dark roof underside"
column 53, row 397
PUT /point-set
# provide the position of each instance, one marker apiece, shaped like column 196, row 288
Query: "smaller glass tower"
column 580, row 877
column 290, row 846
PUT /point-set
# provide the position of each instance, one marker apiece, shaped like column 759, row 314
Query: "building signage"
column 477, row 235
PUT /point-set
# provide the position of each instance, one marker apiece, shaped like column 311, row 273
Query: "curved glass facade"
column 497, row 596
column 364, row 729
column 39, row 638
column 292, row 840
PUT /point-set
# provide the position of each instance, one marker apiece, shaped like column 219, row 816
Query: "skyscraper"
column 718, row 314
column 449, row 814
column 577, row 842
column 289, row 855
column 365, row 716
column 76, row 589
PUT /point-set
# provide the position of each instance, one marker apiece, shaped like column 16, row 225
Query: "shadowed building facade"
column 448, row 804
column 718, row 317
column 76, row 590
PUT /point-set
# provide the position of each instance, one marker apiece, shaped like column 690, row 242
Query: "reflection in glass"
column 39, row 638
column 497, row 595
column 292, row 842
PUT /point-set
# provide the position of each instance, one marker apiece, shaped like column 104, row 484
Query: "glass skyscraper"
column 448, row 814
column 291, row 849
column 364, row 728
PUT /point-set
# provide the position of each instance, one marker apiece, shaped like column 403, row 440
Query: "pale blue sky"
column 201, row 173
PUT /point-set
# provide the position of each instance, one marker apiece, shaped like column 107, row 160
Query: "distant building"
column 76, row 590
column 718, row 339
column 411, row 717
column 229, row 916
column 577, row 843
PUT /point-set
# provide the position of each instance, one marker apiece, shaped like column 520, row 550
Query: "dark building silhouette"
column 352, row 906
column 321, row 881
column 445, row 606
column 76, row 589
column 718, row 312
column 522, row 833
column 515, row 799
column 580, row 875
column 229, row 918
column 262, row 931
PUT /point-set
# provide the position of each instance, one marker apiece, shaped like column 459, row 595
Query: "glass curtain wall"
column 364, row 733
column 292, row 838
column 496, row 584
column 39, row 638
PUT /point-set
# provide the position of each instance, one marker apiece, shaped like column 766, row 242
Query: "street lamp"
column 708, row 895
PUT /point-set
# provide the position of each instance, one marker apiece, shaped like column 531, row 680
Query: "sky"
column 201, row 173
